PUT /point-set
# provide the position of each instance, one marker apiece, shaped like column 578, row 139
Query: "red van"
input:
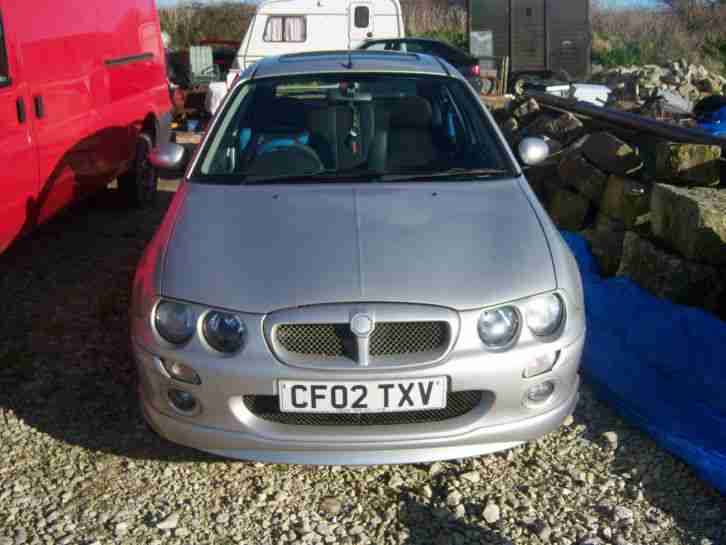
column 83, row 99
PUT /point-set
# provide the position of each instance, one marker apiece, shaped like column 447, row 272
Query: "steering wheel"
column 288, row 159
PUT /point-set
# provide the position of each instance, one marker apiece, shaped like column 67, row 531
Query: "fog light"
column 541, row 364
column 182, row 401
column 181, row 372
column 539, row 393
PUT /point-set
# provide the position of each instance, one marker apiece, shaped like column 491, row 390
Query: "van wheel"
column 138, row 186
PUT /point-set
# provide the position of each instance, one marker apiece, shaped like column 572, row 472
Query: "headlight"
column 223, row 331
column 497, row 327
column 174, row 321
column 544, row 314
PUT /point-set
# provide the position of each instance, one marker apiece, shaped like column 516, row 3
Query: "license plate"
column 369, row 396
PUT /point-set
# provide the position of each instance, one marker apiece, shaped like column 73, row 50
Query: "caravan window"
column 4, row 69
column 361, row 17
column 286, row 28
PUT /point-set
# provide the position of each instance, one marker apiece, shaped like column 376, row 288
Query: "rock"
column 426, row 491
column 576, row 171
column 691, row 221
column 682, row 164
column 606, row 247
column 169, row 523
column 491, row 513
column 121, row 528
column 436, row 468
column 471, row 476
column 669, row 276
column 21, row 536
column 454, row 498
column 509, row 128
column 564, row 127
column 525, row 111
column 544, row 533
column 625, row 199
column 181, row 532
column 611, row 439
column 568, row 209
column 611, row 154
column 330, row 506
column 6, row 541
column 569, row 420
column 622, row 513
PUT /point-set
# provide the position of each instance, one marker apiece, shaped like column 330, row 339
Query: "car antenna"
column 350, row 57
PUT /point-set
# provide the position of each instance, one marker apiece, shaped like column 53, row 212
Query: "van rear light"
column 475, row 70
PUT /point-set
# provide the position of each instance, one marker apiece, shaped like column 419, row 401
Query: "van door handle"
column 39, row 106
column 20, row 105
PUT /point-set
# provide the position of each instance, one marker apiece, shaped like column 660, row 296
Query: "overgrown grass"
column 655, row 36
column 190, row 22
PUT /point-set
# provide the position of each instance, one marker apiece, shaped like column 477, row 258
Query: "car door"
column 57, row 44
column 361, row 23
column 19, row 180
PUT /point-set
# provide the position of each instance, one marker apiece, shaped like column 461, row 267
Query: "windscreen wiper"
column 449, row 174
column 321, row 177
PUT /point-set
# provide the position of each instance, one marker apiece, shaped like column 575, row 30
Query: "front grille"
column 398, row 338
column 387, row 339
column 457, row 404
column 319, row 340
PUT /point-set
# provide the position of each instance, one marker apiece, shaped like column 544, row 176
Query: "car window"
column 287, row 28
column 418, row 47
column 344, row 127
column 376, row 46
column 361, row 17
column 4, row 68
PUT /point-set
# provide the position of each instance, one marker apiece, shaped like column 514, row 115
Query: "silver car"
column 354, row 270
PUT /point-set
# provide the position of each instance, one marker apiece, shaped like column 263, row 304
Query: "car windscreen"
column 342, row 127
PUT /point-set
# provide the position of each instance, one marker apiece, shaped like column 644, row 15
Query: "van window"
column 285, row 28
column 361, row 17
column 4, row 69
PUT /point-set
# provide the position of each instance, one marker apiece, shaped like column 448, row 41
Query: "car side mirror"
column 532, row 151
column 169, row 157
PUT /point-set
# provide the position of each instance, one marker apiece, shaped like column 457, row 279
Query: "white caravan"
column 296, row 26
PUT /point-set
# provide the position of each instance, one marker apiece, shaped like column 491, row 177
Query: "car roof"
column 428, row 40
column 353, row 61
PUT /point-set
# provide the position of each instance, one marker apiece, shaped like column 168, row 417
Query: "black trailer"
column 545, row 37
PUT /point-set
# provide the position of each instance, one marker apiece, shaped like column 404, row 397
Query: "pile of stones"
column 691, row 81
column 652, row 210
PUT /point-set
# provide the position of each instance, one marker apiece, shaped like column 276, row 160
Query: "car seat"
column 410, row 135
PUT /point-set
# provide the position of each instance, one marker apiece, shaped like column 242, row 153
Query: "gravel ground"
column 79, row 466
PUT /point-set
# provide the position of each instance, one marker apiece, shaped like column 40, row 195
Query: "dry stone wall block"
column 611, row 154
column 564, row 128
column 691, row 221
column 568, row 209
column 684, row 164
column 526, row 110
column 669, row 276
column 586, row 178
column 625, row 199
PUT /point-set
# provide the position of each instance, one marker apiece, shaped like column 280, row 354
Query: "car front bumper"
column 225, row 426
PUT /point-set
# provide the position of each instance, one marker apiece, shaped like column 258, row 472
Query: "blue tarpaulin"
column 714, row 122
column 661, row 365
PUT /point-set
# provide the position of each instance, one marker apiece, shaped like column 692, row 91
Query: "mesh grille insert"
column 387, row 339
column 397, row 338
column 457, row 404
column 320, row 340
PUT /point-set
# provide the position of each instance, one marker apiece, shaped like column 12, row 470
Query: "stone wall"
column 652, row 210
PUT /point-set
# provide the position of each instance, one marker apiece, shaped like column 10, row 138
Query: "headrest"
column 412, row 112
